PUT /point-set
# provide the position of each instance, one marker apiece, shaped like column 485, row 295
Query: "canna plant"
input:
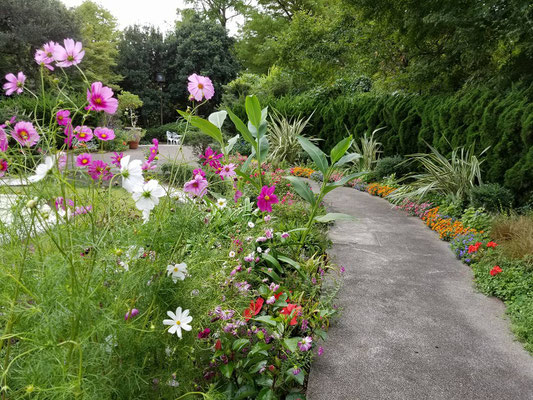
column 337, row 158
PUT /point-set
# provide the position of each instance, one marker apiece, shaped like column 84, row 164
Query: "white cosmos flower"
column 251, row 224
column 232, row 254
column 147, row 196
column 177, row 271
column 42, row 169
column 178, row 321
column 132, row 174
column 221, row 203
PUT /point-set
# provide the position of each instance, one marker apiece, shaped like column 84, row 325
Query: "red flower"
column 496, row 270
column 492, row 244
column 277, row 295
column 474, row 248
column 294, row 310
column 218, row 345
column 254, row 308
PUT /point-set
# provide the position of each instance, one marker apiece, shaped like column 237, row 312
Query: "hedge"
column 478, row 116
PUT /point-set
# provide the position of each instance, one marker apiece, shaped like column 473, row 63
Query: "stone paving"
column 412, row 325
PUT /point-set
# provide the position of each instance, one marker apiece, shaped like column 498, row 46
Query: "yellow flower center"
column 82, row 135
column 267, row 197
column 98, row 100
column 24, row 134
column 84, row 161
column 200, row 86
column 178, row 322
column 175, row 269
column 104, row 136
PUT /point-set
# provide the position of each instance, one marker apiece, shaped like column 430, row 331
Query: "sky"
column 161, row 13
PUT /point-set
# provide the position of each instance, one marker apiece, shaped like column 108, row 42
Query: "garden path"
column 412, row 325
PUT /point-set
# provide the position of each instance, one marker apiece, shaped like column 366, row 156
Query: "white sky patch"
column 160, row 13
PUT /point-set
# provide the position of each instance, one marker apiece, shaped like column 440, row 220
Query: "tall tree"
column 100, row 38
column 220, row 10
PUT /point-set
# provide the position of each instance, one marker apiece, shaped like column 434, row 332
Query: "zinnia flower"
column 83, row 160
column 62, row 117
column 197, row 186
column 83, row 133
column 99, row 169
column 71, row 54
column 100, row 98
column 14, row 83
column 177, row 271
column 104, row 134
column 266, row 198
column 200, row 87
column 178, row 321
column 25, row 134
column 3, row 167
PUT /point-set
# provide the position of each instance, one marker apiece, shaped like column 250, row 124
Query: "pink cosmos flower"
column 228, row 170
column 200, row 87
column 116, row 159
column 68, row 131
column 197, row 186
column 3, row 140
column 131, row 314
column 14, row 83
column 71, row 54
column 209, row 156
column 99, row 170
column 104, row 134
column 320, row 350
column 269, row 233
column 61, row 161
column 147, row 166
column 45, row 56
column 25, row 134
column 3, row 167
column 305, row 343
column 84, row 160
column 237, row 196
column 100, row 98
column 83, row 133
column 285, row 235
column 153, row 150
column 266, row 198
column 198, row 171
column 62, row 117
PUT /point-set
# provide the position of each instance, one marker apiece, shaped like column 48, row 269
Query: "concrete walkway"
column 412, row 325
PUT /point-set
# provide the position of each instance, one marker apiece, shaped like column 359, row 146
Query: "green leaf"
column 253, row 110
column 334, row 217
column 273, row 262
column 241, row 127
column 244, row 392
column 227, row 369
column 292, row 343
column 348, row 158
column 290, row 261
column 263, row 149
column 258, row 366
column 260, row 348
column 231, row 143
column 218, row 118
column 239, row 344
column 334, row 185
column 244, row 167
column 302, row 189
column 340, row 148
column 266, row 393
column 315, row 153
column 267, row 319
column 295, row 396
column 264, row 114
column 246, row 176
column 205, row 126
column 274, row 276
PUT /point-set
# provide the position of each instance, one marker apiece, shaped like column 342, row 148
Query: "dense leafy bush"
column 391, row 165
column 491, row 196
column 477, row 116
column 476, row 218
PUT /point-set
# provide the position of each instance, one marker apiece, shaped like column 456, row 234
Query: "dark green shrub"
column 160, row 132
column 391, row 165
column 178, row 173
column 491, row 196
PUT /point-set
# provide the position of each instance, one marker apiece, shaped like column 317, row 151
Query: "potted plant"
column 128, row 103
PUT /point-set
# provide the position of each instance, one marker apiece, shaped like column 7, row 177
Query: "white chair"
column 171, row 139
column 177, row 138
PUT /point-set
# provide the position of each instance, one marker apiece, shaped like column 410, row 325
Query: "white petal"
column 185, row 326
column 172, row 315
column 173, row 328
column 124, row 163
column 168, row 322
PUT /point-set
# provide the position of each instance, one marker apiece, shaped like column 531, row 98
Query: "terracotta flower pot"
column 133, row 144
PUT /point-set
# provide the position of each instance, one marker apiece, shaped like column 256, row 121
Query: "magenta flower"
column 100, row 98
column 320, row 350
column 197, row 186
column 62, row 117
column 200, row 87
column 3, row 167
column 305, row 343
column 237, row 196
column 153, row 150
column 14, row 83
column 198, row 171
column 266, row 198
column 68, row 131
column 83, row 160
column 116, row 159
column 204, row 334
column 83, row 133
column 209, row 156
column 104, row 134
column 71, row 54
column 99, row 170
column 3, row 140
column 228, row 171
column 45, row 56
column 130, row 314
column 147, row 166
column 25, row 134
